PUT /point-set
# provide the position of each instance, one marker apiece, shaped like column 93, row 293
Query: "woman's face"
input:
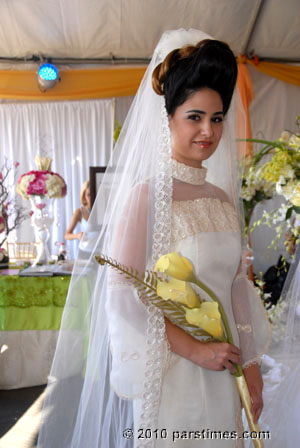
column 87, row 197
column 196, row 127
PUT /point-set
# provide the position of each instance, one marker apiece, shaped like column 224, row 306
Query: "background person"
column 81, row 215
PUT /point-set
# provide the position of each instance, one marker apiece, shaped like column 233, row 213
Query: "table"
column 30, row 314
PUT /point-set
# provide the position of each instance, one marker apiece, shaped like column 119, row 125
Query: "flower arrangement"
column 42, row 182
column 12, row 213
column 280, row 174
column 254, row 189
column 169, row 289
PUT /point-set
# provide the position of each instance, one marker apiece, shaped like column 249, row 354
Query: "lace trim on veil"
column 156, row 334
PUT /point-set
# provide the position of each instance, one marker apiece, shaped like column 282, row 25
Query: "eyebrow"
column 198, row 111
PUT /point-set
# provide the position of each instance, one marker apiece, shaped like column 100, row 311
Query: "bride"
column 123, row 375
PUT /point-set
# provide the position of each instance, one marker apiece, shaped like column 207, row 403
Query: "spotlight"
column 47, row 77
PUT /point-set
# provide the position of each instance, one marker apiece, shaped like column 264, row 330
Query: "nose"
column 206, row 128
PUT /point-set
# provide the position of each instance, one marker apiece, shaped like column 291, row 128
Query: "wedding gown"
column 205, row 229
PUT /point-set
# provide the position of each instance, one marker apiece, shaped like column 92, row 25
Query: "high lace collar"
column 188, row 174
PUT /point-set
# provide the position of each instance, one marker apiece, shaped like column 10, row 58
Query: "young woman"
column 81, row 215
column 123, row 374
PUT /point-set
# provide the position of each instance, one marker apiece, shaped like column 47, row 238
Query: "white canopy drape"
column 75, row 134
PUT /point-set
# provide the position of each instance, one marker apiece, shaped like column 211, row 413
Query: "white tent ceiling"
column 131, row 28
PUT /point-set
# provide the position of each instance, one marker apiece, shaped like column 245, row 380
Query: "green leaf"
column 289, row 212
column 274, row 144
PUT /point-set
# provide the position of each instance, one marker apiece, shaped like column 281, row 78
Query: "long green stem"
column 238, row 369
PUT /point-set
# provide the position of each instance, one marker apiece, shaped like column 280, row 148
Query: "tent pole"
column 251, row 25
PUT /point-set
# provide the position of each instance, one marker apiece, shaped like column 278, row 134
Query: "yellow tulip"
column 178, row 291
column 208, row 318
column 176, row 266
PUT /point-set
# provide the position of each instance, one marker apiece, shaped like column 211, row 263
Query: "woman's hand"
column 216, row 355
column 211, row 355
column 254, row 382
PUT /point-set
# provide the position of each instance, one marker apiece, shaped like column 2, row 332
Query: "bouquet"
column 42, row 182
column 170, row 290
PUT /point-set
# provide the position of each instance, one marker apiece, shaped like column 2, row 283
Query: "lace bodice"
column 202, row 215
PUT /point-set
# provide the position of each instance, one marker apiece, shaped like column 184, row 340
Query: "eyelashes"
column 195, row 117
column 218, row 119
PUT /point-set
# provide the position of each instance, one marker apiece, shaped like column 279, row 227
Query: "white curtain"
column 274, row 109
column 76, row 134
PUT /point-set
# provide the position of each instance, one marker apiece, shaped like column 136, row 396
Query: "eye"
column 218, row 119
column 194, row 117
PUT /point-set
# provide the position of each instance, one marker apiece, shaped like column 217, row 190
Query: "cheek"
column 176, row 133
column 219, row 133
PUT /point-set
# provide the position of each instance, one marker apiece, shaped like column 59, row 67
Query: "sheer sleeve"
column 251, row 320
column 127, row 315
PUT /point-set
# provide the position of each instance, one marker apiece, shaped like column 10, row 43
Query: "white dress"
column 194, row 399
column 208, row 399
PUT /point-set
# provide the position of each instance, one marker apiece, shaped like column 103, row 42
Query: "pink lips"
column 203, row 144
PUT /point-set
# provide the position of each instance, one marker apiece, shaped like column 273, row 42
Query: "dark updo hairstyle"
column 209, row 64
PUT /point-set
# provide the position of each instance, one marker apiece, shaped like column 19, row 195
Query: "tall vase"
column 42, row 220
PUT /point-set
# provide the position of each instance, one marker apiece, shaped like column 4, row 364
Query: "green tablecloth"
column 32, row 303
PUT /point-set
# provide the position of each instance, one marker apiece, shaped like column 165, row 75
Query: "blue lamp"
column 47, row 76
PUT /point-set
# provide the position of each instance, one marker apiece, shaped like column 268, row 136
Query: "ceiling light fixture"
column 47, row 76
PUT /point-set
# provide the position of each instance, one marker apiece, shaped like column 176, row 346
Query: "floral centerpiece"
column 12, row 214
column 280, row 174
column 42, row 182
column 169, row 288
column 41, row 186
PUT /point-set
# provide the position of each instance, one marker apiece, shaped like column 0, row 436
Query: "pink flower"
column 44, row 183
column 1, row 176
column 41, row 206
column 40, row 175
column 31, row 213
column 37, row 187
column 16, row 164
